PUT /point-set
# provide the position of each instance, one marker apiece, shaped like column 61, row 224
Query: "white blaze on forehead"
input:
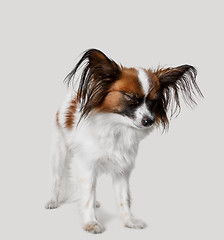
column 144, row 80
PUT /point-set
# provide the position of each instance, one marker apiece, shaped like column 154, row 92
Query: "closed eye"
column 131, row 99
column 128, row 96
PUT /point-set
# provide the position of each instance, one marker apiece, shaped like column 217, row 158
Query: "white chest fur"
column 103, row 140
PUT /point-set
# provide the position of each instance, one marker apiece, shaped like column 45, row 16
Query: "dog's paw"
column 51, row 205
column 97, row 204
column 135, row 223
column 93, row 227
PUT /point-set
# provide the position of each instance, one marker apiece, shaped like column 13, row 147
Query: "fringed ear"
column 97, row 76
column 174, row 81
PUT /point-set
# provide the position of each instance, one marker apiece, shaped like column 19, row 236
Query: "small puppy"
column 100, row 124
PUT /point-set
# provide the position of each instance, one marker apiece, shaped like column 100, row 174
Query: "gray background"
column 177, row 185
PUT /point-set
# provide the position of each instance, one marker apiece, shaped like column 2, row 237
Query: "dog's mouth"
column 140, row 126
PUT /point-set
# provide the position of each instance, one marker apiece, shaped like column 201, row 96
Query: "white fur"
column 144, row 80
column 140, row 113
column 104, row 142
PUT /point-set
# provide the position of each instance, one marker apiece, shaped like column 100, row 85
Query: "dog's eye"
column 128, row 97
column 131, row 99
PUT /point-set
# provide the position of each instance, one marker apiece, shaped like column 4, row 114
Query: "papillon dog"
column 99, row 127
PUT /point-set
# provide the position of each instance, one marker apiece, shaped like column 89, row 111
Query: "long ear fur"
column 97, row 76
column 174, row 81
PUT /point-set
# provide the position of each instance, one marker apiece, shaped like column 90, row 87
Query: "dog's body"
column 99, row 127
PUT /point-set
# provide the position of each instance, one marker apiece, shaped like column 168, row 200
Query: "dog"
column 99, row 127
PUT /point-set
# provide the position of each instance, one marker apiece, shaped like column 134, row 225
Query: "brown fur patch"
column 112, row 102
column 57, row 119
column 160, row 71
column 89, row 227
column 70, row 114
column 128, row 83
column 155, row 85
column 94, row 227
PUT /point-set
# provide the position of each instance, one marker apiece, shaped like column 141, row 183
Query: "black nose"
column 146, row 121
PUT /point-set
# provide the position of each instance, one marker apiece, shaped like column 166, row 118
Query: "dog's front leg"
column 121, row 186
column 87, row 200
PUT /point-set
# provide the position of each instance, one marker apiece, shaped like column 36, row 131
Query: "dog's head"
column 140, row 95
